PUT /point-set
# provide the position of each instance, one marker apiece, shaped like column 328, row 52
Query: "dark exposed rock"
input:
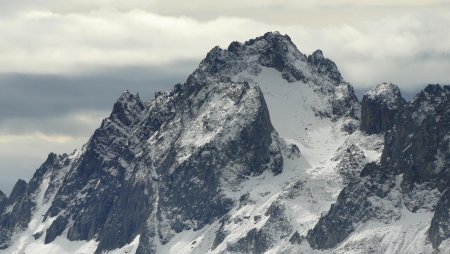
column 18, row 192
column 380, row 108
column 260, row 240
column 3, row 201
column 22, row 200
column 16, row 214
column 121, row 187
column 415, row 160
column 56, row 229
column 220, row 234
column 254, row 242
column 419, row 144
column 296, row 238
column 352, row 162
column 440, row 224
column 356, row 204
column 38, row 235
column 325, row 66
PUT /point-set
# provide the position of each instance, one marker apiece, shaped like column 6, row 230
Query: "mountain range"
column 262, row 150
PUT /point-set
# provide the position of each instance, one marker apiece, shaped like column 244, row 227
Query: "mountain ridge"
column 259, row 150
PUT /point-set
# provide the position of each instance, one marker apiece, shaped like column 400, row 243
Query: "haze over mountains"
column 262, row 150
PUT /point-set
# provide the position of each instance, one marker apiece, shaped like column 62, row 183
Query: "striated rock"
column 19, row 207
column 57, row 227
column 199, row 138
column 3, row 201
column 325, row 66
column 380, row 108
column 419, row 145
column 360, row 201
column 413, row 169
column 440, row 224
column 260, row 240
column 17, row 213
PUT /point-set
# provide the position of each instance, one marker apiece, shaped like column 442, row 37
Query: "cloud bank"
column 410, row 49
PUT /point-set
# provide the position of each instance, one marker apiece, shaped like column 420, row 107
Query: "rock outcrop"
column 380, row 108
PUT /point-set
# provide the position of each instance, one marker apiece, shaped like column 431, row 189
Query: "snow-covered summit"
column 271, row 50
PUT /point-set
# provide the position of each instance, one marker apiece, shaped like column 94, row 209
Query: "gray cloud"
column 31, row 96
column 407, row 48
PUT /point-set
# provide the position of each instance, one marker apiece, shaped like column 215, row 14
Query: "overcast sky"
column 64, row 63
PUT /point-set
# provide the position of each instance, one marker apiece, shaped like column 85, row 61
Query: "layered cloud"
column 409, row 49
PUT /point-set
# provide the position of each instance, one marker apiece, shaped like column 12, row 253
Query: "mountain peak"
column 318, row 54
column 325, row 66
column 386, row 92
column 268, row 39
column 380, row 108
column 433, row 100
column 127, row 96
column 431, row 91
column 274, row 37
column 272, row 50
column 127, row 107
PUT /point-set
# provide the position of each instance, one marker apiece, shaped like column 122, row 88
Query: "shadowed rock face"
column 157, row 169
column 152, row 169
column 3, row 200
column 16, row 213
column 440, row 224
column 353, row 206
column 419, row 144
column 380, row 108
column 416, row 157
column 325, row 66
column 258, row 241
column 18, row 207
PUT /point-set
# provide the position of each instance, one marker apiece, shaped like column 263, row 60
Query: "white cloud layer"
column 410, row 49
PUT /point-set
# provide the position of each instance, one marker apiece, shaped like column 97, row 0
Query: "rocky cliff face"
column 3, row 200
column 412, row 172
column 272, row 50
column 18, row 208
column 158, row 168
column 380, row 108
column 260, row 150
